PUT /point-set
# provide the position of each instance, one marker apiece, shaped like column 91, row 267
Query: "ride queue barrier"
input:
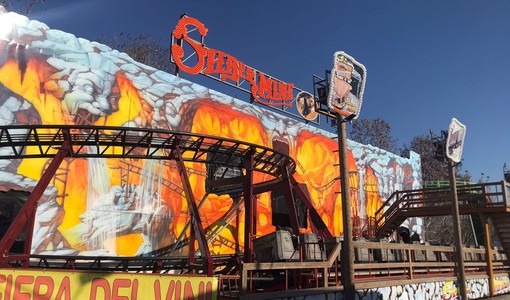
column 377, row 264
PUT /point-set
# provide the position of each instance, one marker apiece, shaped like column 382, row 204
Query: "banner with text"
column 21, row 284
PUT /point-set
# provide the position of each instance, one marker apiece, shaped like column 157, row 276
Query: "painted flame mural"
column 134, row 207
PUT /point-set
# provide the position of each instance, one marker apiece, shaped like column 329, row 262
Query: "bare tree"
column 439, row 229
column 376, row 132
column 20, row 6
column 432, row 169
column 142, row 48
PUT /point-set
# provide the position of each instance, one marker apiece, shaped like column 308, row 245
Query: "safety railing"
column 474, row 196
column 375, row 264
column 412, row 261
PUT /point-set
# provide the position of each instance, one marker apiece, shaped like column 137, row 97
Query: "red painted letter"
column 181, row 32
column 64, row 290
column 117, row 284
column 22, row 280
column 49, row 285
column 104, row 285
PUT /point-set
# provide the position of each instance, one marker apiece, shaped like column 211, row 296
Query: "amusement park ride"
column 314, row 252
column 301, row 257
column 73, row 142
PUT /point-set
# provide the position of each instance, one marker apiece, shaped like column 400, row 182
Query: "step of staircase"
column 501, row 224
column 389, row 227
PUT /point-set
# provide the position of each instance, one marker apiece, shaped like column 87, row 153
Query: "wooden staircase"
column 491, row 199
column 389, row 227
column 501, row 225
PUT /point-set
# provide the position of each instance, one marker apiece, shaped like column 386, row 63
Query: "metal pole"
column 249, row 208
column 461, row 275
column 198, row 230
column 347, row 247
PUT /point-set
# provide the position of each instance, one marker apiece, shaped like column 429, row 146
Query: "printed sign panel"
column 305, row 104
column 347, row 85
column 24, row 284
column 455, row 140
column 126, row 207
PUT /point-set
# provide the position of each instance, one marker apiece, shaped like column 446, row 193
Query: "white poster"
column 347, row 85
column 455, row 140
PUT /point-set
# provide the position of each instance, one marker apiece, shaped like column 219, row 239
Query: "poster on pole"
column 347, row 85
column 455, row 140
column 305, row 104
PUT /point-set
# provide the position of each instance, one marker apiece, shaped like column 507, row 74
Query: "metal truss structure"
column 58, row 142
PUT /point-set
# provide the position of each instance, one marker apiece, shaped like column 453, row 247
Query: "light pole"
column 344, row 97
column 459, row 251
column 453, row 150
column 347, row 266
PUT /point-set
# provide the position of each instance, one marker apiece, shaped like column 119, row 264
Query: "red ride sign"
column 264, row 89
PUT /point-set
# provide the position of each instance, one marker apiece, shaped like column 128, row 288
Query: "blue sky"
column 427, row 61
